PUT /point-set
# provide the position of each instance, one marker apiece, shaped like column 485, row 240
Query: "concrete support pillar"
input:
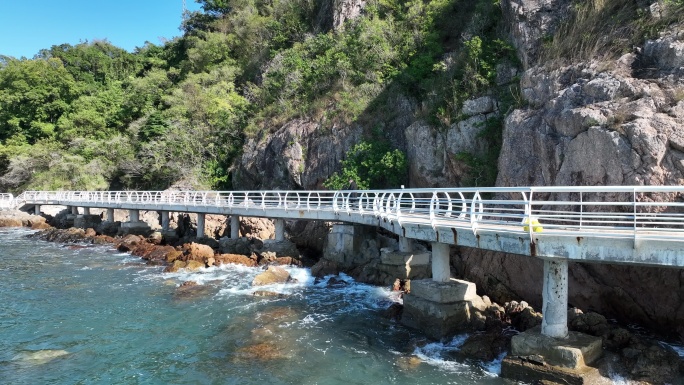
column 200, row 225
column 234, row 227
column 405, row 245
column 165, row 220
column 74, row 210
column 555, row 296
column 110, row 215
column 441, row 271
column 133, row 216
column 36, row 209
column 280, row 229
column 86, row 211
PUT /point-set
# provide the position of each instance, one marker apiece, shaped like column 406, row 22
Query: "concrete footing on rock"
column 135, row 228
column 537, row 357
column 441, row 309
column 87, row 221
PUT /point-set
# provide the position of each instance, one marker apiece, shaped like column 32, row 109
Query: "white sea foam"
column 493, row 368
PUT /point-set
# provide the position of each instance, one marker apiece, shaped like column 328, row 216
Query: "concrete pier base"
column 441, row 309
column 535, row 356
column 134, row 225
column 555, row 297
column 135, row 228
column 200, row 225
column 441, row 271
column 234, row 227
column 405, row 244
column 279, row 229
column 164, row 220
column 87, row 221
column 133, row 216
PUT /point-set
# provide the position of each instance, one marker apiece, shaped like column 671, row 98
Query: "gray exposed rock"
column 531, row 20
column 301, row 154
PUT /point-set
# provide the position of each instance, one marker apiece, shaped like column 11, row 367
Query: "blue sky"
column 27, row 26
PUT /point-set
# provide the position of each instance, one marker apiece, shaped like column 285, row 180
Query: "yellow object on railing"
column 536, row 226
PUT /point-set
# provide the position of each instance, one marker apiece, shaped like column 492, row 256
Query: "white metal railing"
column 6, row 201
column 648, row 212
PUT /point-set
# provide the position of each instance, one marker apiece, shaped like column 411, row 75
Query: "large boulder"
column 197, row 252
column 272, row 275
column 262, row 228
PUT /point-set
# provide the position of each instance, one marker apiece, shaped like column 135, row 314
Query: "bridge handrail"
column 614, row 211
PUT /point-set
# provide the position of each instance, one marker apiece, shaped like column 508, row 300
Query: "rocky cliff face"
column 593, row 123
column 617, row 122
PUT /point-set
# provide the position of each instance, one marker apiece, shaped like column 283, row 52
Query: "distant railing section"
column 6, row 201
column 648, row 212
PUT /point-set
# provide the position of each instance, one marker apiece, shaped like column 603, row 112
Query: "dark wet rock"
column 485, row 346
column 654, row 363
column 72, row 235
column 235, row 246
column 211, row 242
column 394, row 312
column 526, row 319
column 272, row 275
column 336, row 282
column 109, row 228
column 325, row 267
column 590, row 323
column 284, row 248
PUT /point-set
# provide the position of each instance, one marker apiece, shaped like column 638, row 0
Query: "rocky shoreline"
column 628, row 355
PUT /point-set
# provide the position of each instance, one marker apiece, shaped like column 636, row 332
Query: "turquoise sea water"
column 96, row 316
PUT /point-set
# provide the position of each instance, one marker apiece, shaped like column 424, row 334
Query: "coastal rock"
column 529, row 21
column 235, row 246
column 237, row 259
column 485, row 346
column 272, row 275
column 197, row 252
column 175, row 267
column 325, row 267
column 590, row 323
column 281, row 249
column 299, row 155
column 261, row 228
column 309, row 235
column 129, row 242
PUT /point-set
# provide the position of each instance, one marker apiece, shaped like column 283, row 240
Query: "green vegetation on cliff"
column 93, row 116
